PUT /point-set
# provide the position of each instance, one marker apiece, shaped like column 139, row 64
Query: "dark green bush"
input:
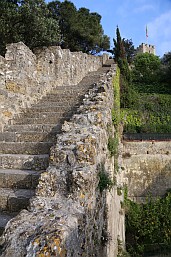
column 148, row 226
column 105, row 182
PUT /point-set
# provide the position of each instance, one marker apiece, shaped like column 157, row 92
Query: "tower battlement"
column 146, row 48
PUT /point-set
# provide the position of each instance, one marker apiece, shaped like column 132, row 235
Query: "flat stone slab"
column 32, row 136
column 32, row 148
column 43, row 120
column 33, row 127
column 14, row 200
column 19, row 179
column 24, row 161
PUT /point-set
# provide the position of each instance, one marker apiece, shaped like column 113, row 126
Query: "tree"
column 57, row 23
column 166, row 68
column 129, row 49
column 9, row 20
column 28, row 21
column 123, row 48
column 105, row 42
column 37, row 27
column 146, row 68
column 121, row 59
column 65, row 12
column 120, row 55
column 81, row 30
column 118, row 50
column 90, row 32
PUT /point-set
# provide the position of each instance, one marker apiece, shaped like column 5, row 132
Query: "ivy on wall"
column 116, row 107
column 113, row 142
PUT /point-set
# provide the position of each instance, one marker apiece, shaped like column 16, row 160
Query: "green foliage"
column 105, row 182
column 146, row 103
column 121, row 251
column 57, row 23
column 118, row 50
column 64, row 12
column 8, row 24
column 116, row 108
column 120, row 55
column 81, row 30
column 123, row 48
column 119, row 191
column 148, row 225
column 113, row 145
column 114, row 142
column 146, row 68
column 37, row 28
column 160, row 88
column 28, row 21
column 129, row 49
column 129, row 96
column 152, row 113
column 166, row 69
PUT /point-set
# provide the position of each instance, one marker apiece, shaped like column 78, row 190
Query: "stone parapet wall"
column 70, row 216
column 26, row 77
column 147, row 168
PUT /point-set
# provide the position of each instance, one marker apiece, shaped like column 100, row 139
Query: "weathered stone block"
column 147, row 168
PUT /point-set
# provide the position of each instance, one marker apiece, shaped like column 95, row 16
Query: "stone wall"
column 26, row 77
column 70, row 216
column 147, row 168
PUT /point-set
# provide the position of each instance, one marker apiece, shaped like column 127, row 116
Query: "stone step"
column 45, row 109
column 19, row 179
column 69, row 91
column 4, row 218
column 32, row 148
column 14, row 200
column 72, row 87
column 59, row 99
column 43, row 120
column 69, row 103
column 65, row 97
column 27, row 136
column 57, row 114
column 24, row 161
column 54, row 128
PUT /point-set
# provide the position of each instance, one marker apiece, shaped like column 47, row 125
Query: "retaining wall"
column 147, row 167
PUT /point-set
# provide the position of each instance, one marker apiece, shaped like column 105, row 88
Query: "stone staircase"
column 25, row 143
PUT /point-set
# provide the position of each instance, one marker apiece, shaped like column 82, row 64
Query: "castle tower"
column 146, row 48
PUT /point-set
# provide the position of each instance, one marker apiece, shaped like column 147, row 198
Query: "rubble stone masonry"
column 26, row 77
column 69, row 216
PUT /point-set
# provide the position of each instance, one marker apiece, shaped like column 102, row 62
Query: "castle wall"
column 147, row 167
column 26, row 77
column 69, row 215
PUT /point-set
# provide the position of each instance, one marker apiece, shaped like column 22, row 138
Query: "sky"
column 132, row 17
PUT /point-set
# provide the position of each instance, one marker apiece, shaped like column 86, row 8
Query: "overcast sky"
column 132, row 17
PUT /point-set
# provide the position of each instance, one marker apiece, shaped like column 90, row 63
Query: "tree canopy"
column 57, row 23
column 28, row 21
column 123, row 48
column 129, row 49
column 166, row 68
column 81, row 30
column 146, row 68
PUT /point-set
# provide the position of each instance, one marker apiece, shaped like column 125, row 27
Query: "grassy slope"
column 149, row 110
